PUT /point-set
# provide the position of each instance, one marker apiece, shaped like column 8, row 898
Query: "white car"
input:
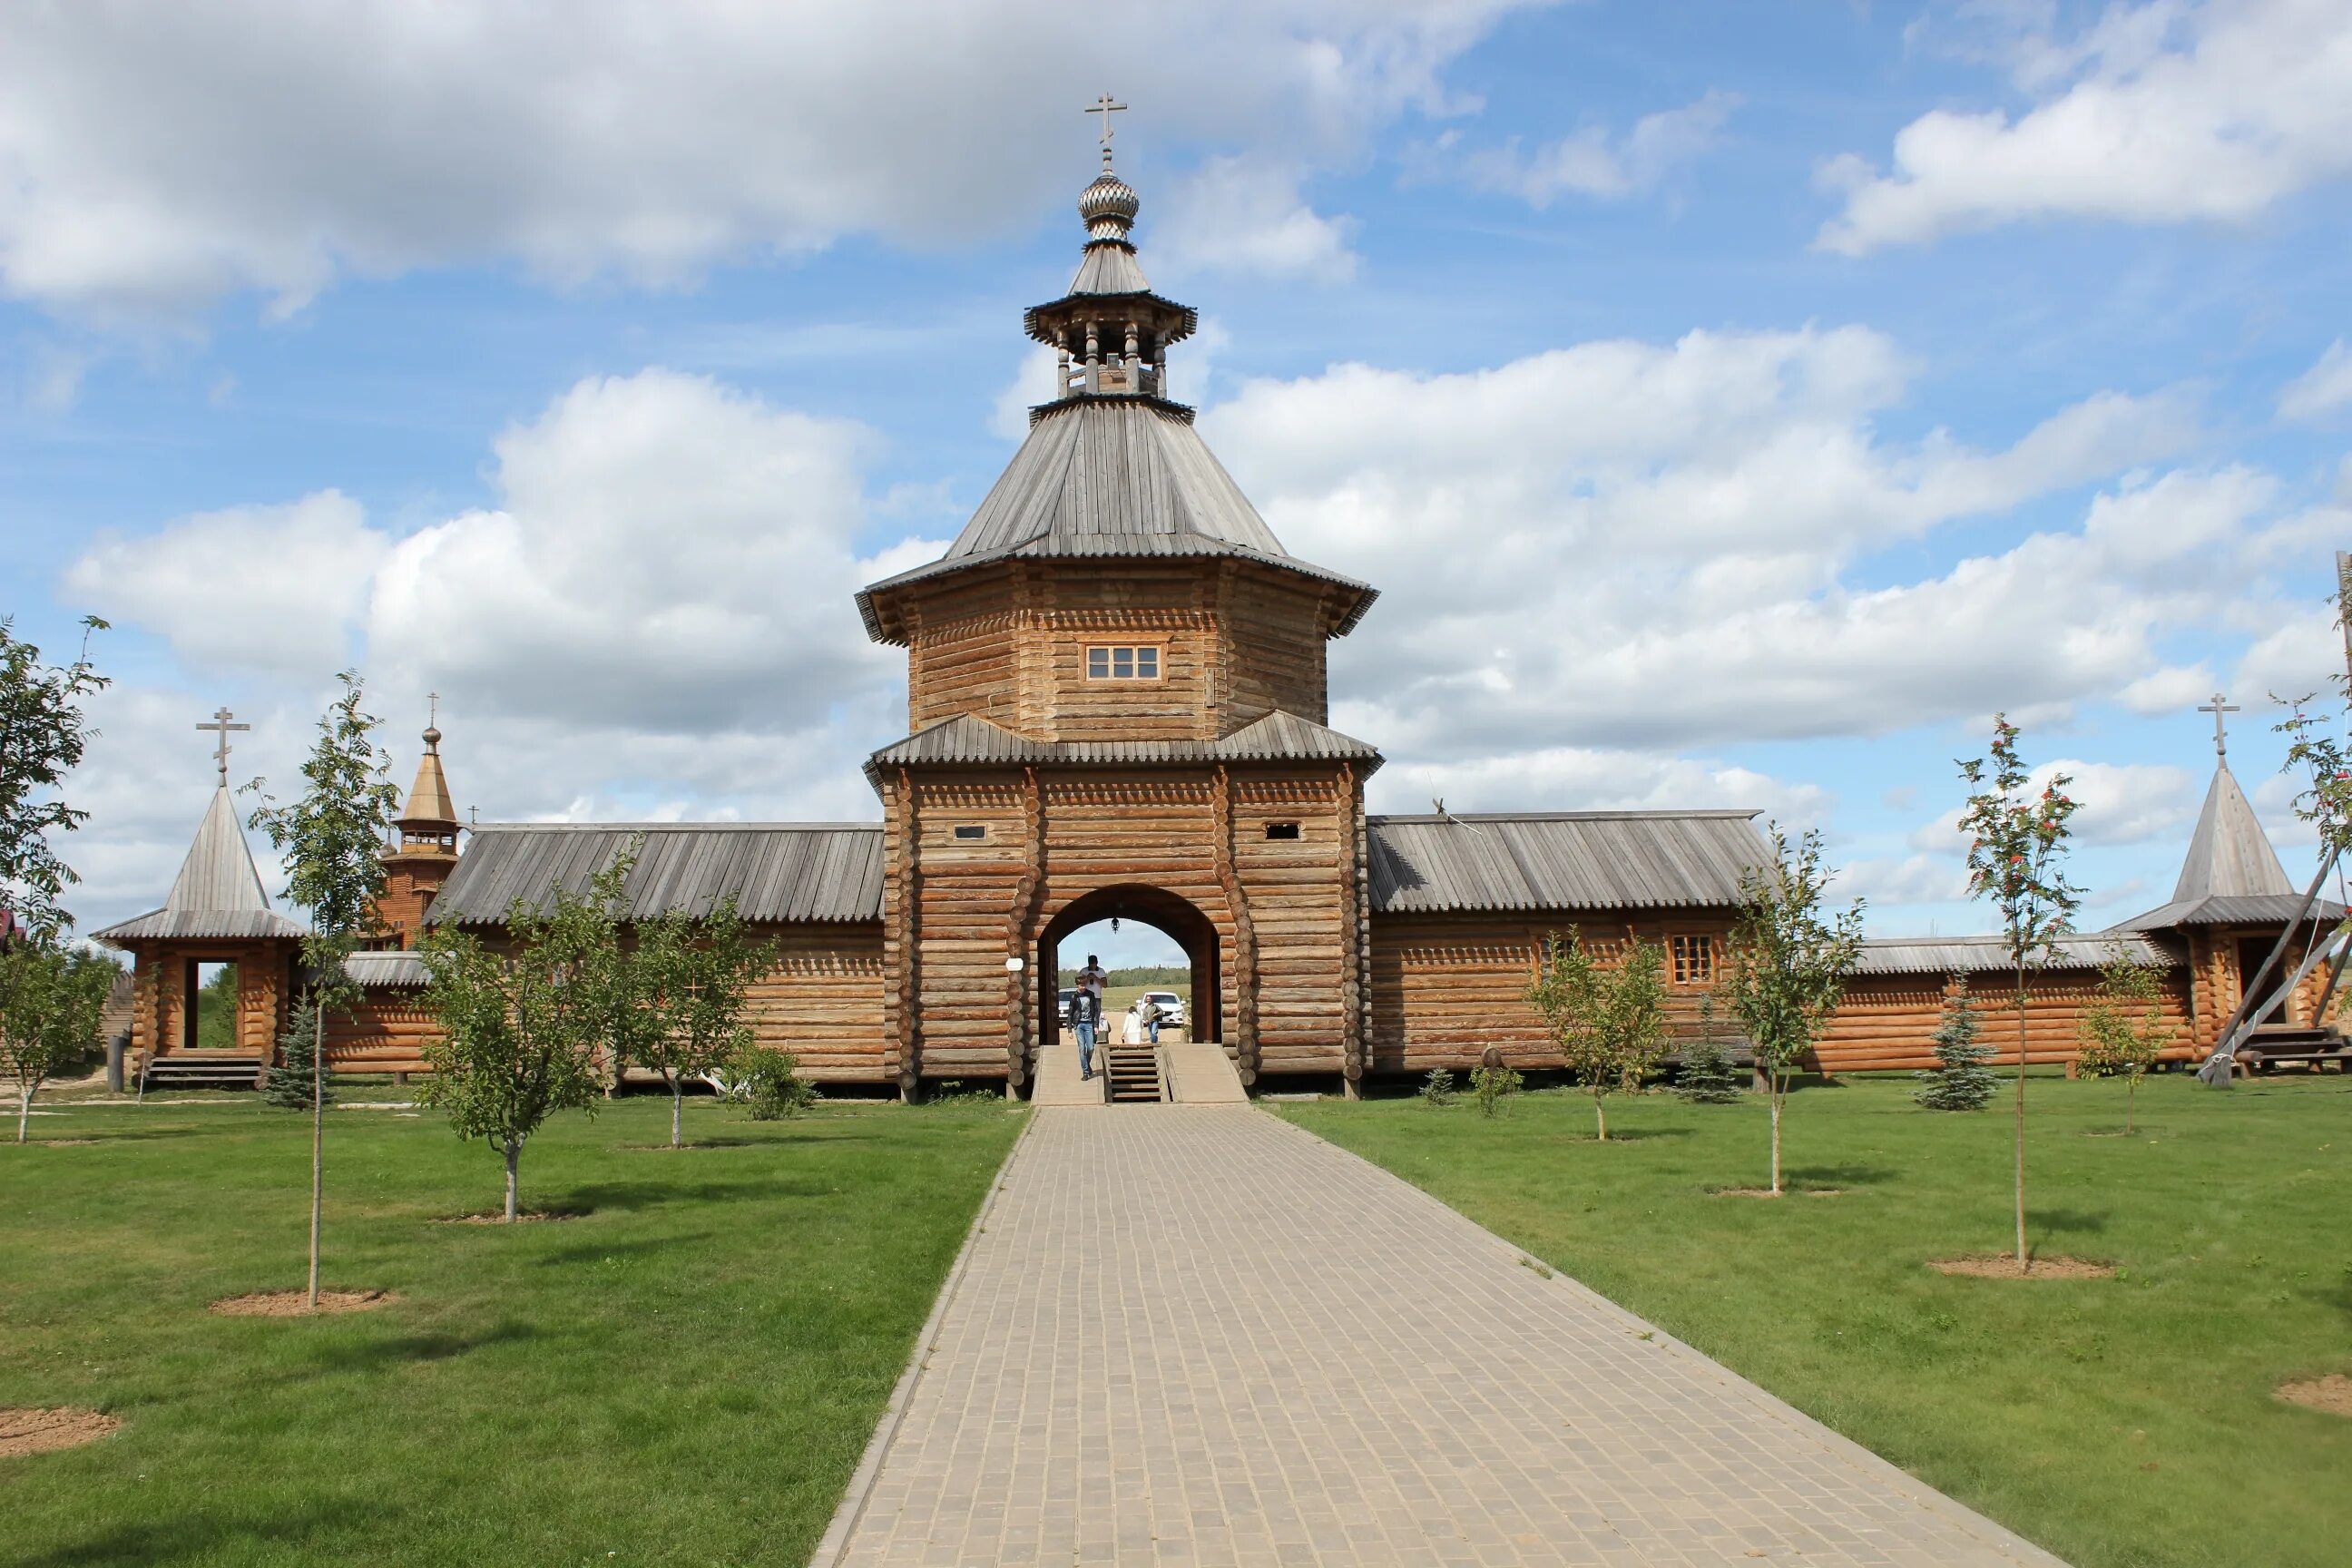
column 1171, row 1006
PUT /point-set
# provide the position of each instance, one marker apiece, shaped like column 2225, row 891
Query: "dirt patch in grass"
column 59, row 1143
column 2005, row 1267
column 1769, row 1193
column 498, row 1217
column 296, row 1303
column 47, row 1431
column 2332, row 1394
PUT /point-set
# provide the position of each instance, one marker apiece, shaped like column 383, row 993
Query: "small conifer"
column 1959, row 1080
column 287, row 1084
column 1708, row 1076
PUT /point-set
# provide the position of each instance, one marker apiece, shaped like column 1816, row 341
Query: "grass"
column 2126, row 1421
column 686, row 1372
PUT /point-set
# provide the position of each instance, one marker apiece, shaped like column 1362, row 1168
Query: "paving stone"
column 1199, row 1335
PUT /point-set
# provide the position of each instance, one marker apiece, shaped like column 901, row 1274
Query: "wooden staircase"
column 202, row 1069
column 1131, row 1075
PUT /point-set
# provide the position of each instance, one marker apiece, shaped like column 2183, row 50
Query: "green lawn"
column 686, row 1372
column 2119, row 1421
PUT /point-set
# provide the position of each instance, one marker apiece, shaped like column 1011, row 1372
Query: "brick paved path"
column 1196, row 1334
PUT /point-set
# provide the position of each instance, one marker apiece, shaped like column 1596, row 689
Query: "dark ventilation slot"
column 970, row 831
column 1282, row 830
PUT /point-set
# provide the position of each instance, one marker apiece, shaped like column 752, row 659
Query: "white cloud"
column 1580, row 779
column 645, row 139
column 1644, row 545
column 268, row 588
column 2324, row 388
column 1591, row 162
column 2162, row 112
column 1243, row 214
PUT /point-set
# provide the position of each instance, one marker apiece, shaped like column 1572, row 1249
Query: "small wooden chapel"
column 1118, row 706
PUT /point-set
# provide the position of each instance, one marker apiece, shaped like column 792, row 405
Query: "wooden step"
column 1134, row 1075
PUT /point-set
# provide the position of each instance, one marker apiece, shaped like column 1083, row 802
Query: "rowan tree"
column 1786, row 970
column 332, row 838
column 1609, row 1020
column 2017, row 850
column 524, row 1024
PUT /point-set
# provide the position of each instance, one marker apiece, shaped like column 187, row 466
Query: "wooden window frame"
column 968, row 832
column 1135, row 652
column 1691, row 957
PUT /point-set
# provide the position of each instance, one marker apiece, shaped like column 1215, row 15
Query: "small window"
column 971, row 830
column 1694, row 960
column 1123, row 662
column 1282, row 830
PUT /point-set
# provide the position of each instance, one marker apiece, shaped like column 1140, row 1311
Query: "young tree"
column 1787, row 965
column 768, row 1081
column 523, row 1028
column 295, row 1080
column 2017, row 846
column 1708, row 1076
column 1492, row 1085
column 1610, row 1020
column 2124, row 1030
column 1959, row 1080
column 50, row 1003
column 42, row 733
column 687, row 984
column 331, row 837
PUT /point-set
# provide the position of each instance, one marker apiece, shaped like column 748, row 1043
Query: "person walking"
column 1091, row 978
column 1086, row 1017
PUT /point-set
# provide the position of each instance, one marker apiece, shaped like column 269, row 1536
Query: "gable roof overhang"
column 968, row 741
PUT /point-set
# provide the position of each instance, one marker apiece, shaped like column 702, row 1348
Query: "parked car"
column 1067, row 992
column 1171, row 1006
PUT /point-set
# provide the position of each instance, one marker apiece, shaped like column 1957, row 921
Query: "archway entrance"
column 1179, row 920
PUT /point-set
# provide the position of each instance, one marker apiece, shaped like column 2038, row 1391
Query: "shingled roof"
column 1562, row 861
column 2232, row 876
column 217, row 894
column 1982, row 954
column 1115, row 476
column 1279, row 737
column 784, row 872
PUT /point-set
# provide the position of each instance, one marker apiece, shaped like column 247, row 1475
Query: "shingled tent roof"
column 1115, row 476
column 1279, row 737
column 217, row 894
column 1543, row 861
column 782, row 872
column 2232, row 875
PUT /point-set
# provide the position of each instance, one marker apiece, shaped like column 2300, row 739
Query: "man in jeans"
column 1086, row 1014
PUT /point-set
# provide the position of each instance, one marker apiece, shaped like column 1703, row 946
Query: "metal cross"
column 220, row 754
column 1105, row 107
column 2219, row 706
column 433, row 711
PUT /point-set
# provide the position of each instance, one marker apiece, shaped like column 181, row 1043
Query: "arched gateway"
column 1179, row 920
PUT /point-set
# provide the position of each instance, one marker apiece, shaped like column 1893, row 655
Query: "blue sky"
column 1734, row 404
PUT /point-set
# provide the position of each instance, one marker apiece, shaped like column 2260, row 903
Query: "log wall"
column 1889, row 1021
column 160, row 997
column 1447, row 986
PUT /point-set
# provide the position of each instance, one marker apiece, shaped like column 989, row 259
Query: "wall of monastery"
column 1447, row 986
column 1889, row 1021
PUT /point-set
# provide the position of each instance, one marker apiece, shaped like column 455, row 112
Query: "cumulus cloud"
column 2160, row 112
column 645, row 139
column 268, row 588
column 1244, row 214
column 2326, row 387
column 1591, row 162
column 1649, row 545
column 655, row 618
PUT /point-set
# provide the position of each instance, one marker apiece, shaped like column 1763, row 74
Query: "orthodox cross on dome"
column 2217, row 707
column 1105, row 107
column 220, row 754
